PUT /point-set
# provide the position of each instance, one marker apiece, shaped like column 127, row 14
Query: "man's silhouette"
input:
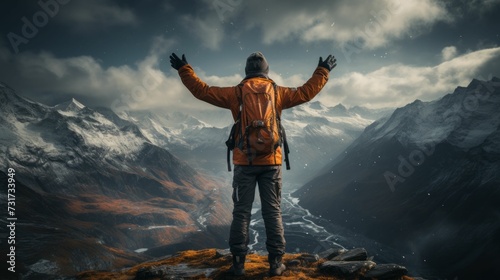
column 252, row 168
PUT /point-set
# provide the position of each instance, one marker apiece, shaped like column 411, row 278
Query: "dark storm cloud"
column 92, row 14
column 115, row 53
column 374, row 22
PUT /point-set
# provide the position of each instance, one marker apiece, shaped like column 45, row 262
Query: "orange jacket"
column 226, row 97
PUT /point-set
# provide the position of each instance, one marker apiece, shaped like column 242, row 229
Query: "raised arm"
column 224, row 97
column 291, row 97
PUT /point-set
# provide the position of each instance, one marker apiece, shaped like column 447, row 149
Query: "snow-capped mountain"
column 316, row 134
column 424, row 180
column 196, row 142
column 70, row 106
column 92, row 188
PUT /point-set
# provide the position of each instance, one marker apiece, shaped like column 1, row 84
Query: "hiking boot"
column 238, row 267
column 276, row 266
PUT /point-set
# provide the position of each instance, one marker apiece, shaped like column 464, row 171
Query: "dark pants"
column 244, row 182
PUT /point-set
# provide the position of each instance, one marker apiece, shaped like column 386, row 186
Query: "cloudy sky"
column 115, row 53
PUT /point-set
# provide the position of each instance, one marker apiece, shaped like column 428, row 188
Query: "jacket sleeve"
column 291, row 97
column 224, row 97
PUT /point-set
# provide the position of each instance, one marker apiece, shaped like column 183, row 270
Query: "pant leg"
column 269, row 181
column 244, row 182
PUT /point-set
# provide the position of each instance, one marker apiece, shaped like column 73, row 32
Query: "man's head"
column 256, row 65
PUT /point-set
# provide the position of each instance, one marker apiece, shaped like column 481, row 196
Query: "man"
column 252, row 167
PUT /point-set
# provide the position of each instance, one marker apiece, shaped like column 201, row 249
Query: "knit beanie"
column 256, row 64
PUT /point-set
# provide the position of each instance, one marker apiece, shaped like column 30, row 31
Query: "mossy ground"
column 256, row 267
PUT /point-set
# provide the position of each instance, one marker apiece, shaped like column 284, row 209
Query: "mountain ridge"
column 310, row 129
column 431, row 164
column 93, row 183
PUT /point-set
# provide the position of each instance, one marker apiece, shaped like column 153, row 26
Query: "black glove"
column 329, row 63
column 176, row 62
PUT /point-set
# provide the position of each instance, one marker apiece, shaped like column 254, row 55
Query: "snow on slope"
column 316, row 134
column 68, row 107
column 456, row 118
column 425, row 180
column 166, row 130
column 92, row 183
column 32, row 133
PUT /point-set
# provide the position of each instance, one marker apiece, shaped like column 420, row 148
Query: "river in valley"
column 307, row 233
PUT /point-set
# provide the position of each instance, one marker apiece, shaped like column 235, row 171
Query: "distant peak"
column 338, row 109
column 71, row 105
column 474, row 83
column 477, row 84
column 316, row 105
column 5, row 86
column 340, row 106
column 76, row 103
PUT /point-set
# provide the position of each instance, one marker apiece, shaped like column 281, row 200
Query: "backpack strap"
column 282, row 130
column 285, row 146
column 230, row 143
column 231, row 140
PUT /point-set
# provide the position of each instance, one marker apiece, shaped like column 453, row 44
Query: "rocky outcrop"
column 214, row 264
column 356, row 263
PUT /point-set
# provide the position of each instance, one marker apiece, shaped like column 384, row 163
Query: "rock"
column 386, row 271
column 309, row 258
column 258, row 252
column 151, row 272
column 45, row 267
column 331, row 253
column 344, row 269
column 358, row 254
column 219, row 253
column 293, row 263
column 180, row 271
